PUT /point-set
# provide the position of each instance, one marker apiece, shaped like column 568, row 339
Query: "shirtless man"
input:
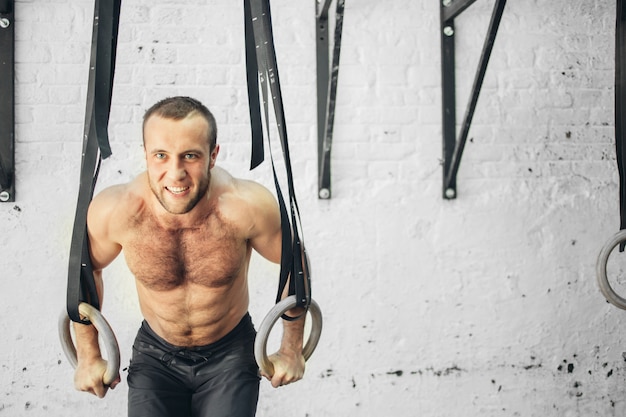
column 187, row 229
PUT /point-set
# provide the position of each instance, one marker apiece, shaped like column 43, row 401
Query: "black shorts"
column 218, row 380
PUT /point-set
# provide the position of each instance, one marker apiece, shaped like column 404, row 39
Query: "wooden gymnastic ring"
column 603, row 281
column 260, row 343
column 104, row 331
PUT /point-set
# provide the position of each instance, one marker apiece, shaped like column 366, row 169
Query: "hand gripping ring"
column 603, row 281
column 260, row 344
column 104, row 331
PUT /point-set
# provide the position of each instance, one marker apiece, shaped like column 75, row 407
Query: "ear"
column 213, row 156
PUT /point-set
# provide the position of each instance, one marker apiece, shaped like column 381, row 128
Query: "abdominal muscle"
column 194, row 315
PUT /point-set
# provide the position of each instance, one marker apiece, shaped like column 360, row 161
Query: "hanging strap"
column 262, row 69
column 81, row 285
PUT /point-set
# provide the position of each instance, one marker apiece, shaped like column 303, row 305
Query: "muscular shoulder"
column 251, row 203
column 114, row 206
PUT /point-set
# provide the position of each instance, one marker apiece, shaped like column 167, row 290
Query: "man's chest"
column 212, row 255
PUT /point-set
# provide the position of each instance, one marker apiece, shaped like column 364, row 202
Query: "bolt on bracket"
column 327, row 76
column 453, row 146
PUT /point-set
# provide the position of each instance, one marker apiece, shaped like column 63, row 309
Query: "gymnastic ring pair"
column 105, row 333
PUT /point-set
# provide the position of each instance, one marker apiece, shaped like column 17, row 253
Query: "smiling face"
column 179, row 160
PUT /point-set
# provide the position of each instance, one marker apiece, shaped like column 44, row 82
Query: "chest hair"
column 212, row 254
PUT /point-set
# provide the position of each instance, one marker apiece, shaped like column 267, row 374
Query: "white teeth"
column 177, row 190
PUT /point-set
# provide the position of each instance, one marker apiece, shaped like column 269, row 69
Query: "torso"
column 192, row 280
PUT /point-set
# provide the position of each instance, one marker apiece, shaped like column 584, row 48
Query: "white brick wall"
column 482, row 306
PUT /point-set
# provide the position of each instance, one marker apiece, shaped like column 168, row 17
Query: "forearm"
column 87, row 346
column 288, row 362
column 293, row 331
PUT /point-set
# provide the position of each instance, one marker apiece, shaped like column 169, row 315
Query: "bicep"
column 267, row 235
column 102, row 248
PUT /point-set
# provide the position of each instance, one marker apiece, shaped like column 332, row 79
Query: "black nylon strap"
column 80, row 283
column 252, row 74
column 105, row 70
column 260, row 44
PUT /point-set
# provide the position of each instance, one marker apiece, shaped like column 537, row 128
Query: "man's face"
column 178, row 160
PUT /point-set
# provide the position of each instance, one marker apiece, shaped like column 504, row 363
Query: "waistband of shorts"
column 245, row 325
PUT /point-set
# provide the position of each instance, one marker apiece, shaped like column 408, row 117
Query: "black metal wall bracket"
column 452, row 146
column 620, row 108
column 7, row 101
column 327, row 76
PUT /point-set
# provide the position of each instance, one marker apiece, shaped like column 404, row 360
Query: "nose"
column 176, row 170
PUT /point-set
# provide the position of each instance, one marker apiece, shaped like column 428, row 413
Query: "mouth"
column 177, row 190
